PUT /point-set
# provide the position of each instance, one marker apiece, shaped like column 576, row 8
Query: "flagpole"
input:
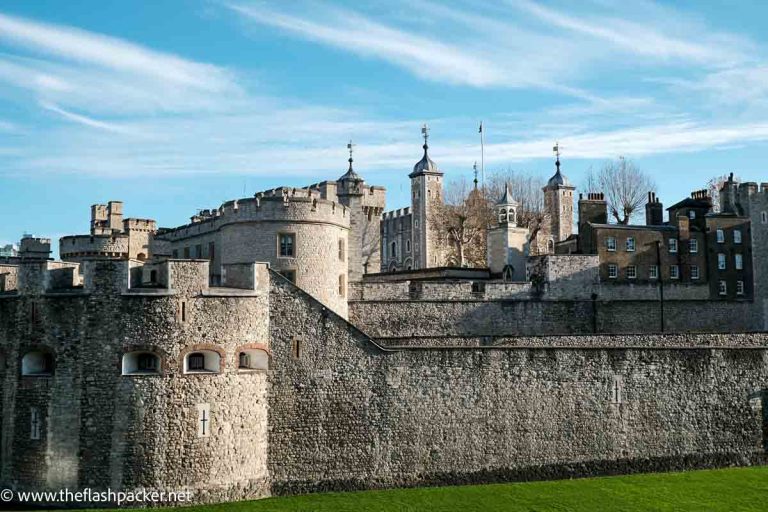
column 482, row 155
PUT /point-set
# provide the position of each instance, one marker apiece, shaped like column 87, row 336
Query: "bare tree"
column 713, row 187
column 461, row 224
column 625, row 186
column 370, row 244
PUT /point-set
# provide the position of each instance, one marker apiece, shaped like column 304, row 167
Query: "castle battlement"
column 291, row 206
column 396, row 214
column 108, row 246
column 167, row 277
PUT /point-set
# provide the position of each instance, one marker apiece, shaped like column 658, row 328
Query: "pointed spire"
column 350, row 174
column 350, row 147
column 558, row 180
column 425, row 164
column 507, row 197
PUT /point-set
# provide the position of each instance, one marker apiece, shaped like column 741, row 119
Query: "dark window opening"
column 196, row 361
column 287, row 245
column 147, row 363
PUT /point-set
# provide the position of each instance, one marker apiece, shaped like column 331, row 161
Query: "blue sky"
column 172, row 106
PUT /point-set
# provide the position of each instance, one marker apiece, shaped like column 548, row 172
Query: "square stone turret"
column 507, row 243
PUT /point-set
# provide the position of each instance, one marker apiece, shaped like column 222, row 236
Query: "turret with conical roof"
column 426, row 196
column 507, row 247
column 558, row 203
column 506, row 208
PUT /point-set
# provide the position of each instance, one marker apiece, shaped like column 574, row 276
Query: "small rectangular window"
column 630, row 244
column 653, row 272
column 617, row 389
column 610, row 243
column 287, row 245
column 296, row 348
column 289, row 275
column 692, row 214
column 342, row 286
column 186, row 253
column 693, row 246
column 694, row 271
column 739, row 261
column 673, row 245
column 341, row 249
column 613, row 271
column 211, row 251
column 739, row 287
column 175, row 254
column 183, row 311
column 737, row 236
column 203, row 420
column 764, row 217
column 199, row 251
column 723, row 288
column 35, row 424
column 720, row 236
column 632, row 272
column 721, row 262
column 674, row 272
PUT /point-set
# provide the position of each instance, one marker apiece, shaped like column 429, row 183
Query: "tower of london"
column 308, row 339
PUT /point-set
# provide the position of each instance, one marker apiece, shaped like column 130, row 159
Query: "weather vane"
column 425, row 132
column 350, row 147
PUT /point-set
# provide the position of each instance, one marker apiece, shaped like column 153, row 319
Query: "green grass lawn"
column 723, row 489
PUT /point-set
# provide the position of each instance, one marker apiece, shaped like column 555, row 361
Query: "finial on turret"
column 350, row 147
column 556, row 149
column 425, row 134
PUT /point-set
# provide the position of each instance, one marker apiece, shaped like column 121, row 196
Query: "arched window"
column 140, row 363
column 253, row 359
column 502, row 215
column 37, row 364
column 393, row 249
column 141, row 256
column 202, row 361
column 551, row 246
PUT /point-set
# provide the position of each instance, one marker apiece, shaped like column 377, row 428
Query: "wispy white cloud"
column 421, row 55
column 739, row 86
column 85, row 120
column 86, row 71
column 647, row 37
column 111, row 53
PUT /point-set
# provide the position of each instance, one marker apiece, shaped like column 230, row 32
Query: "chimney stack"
column 654, row 211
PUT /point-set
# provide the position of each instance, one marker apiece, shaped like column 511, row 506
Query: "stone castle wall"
column 82, row 247
column 338, row 409
column 478, row 317
column 104, row 429
column 350, row 413
column 248, row 230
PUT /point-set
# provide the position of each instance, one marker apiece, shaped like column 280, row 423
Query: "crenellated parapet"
column 277, row 205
